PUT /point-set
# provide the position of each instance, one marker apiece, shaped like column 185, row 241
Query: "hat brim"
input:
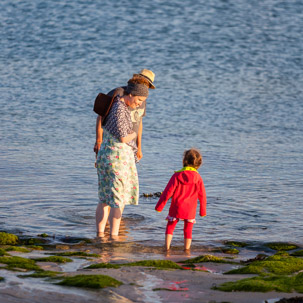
column 152, row 86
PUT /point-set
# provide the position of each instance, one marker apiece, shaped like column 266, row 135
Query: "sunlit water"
column 229, row 78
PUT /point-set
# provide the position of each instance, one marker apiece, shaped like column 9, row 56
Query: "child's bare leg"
column 168, row 239
column 188, row 227
column 115, row 220
column 170, row 227
column 102, row 213
column 187, row 244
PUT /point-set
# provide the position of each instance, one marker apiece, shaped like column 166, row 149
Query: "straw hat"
column 149, row 76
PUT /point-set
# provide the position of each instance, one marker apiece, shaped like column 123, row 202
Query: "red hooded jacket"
column 185, row 187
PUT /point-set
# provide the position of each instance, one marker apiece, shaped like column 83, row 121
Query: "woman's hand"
column 139, row 154
column 97, row 147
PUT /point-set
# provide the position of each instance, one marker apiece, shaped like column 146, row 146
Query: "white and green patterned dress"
column 118, row 183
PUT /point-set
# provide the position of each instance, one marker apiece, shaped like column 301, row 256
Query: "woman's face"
column 135, row 101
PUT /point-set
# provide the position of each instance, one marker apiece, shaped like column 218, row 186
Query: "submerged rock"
column 152, row 195
column 281, row 246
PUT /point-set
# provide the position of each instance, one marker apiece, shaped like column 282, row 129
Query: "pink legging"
column 188, row 228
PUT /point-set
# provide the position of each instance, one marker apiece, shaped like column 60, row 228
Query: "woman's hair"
column 137, row 79
column 193, row 158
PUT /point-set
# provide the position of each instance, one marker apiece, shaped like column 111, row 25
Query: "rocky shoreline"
column 85, row 270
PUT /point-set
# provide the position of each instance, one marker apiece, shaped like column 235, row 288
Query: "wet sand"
column 139, row 283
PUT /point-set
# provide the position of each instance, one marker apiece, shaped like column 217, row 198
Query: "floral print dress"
column 118, row 183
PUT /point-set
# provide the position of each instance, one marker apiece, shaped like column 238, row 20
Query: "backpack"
column 103, row 104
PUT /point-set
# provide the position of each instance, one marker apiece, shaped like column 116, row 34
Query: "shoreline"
column 140, row 283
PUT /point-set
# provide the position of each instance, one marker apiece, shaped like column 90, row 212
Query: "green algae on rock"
column 8, row 239
column 235, row 243
column 232, row 251
column 265, row 284
column 32, row 241
column 55, row 259
column 3, row 252
column 159, row 264
column 281, row 246
column 44, row 235
column 14, row 263
column 1, row 279
column 90, row 281
column 103, row 265
column 17, row 248
column 35, row 247
column 76, row 254
column 298, row 253
column 279, row 264
column 207, row 258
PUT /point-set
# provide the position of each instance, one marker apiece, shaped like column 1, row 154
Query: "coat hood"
column 188, row 176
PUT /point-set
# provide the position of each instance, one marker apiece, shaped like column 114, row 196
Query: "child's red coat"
column 185, row 188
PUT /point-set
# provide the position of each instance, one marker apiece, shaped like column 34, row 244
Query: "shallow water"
column 229, row 81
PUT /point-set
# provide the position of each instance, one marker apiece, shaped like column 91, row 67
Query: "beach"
column 141, row 283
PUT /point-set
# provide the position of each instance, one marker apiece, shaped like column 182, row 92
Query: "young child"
column 185, row 188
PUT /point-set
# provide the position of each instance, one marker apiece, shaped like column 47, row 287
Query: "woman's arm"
column 99, row 133
column 140, row 130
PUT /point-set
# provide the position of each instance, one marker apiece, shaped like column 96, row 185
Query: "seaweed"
column 279, row 264
column 90, row 281
column 3, row 252
column 19, row 262
column 55, row 259
column 298, row 253
column 235, row 243
column 206, row 258
column 8, row 239
column 159, row 264
column 103, row 265
column 44, row 235
column 232, row 251
column 281, row 246
column 32, row 241
column 265, row 284
column 35, row 247
column 17, row 248
column 76, row 254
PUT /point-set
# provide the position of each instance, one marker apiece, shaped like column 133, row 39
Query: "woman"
column 117, row 173
column 146, row 77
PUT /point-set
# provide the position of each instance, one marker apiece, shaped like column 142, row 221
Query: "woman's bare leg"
column 102, row 213
column 115, row 220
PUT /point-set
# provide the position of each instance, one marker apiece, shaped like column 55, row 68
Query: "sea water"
column 229, row 81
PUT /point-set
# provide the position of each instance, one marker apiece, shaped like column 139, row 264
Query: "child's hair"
column 193, row 158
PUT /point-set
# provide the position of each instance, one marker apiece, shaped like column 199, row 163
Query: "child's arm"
column 167, row 193
column 202, row 199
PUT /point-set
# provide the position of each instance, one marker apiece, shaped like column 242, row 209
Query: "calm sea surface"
column 229, row 78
